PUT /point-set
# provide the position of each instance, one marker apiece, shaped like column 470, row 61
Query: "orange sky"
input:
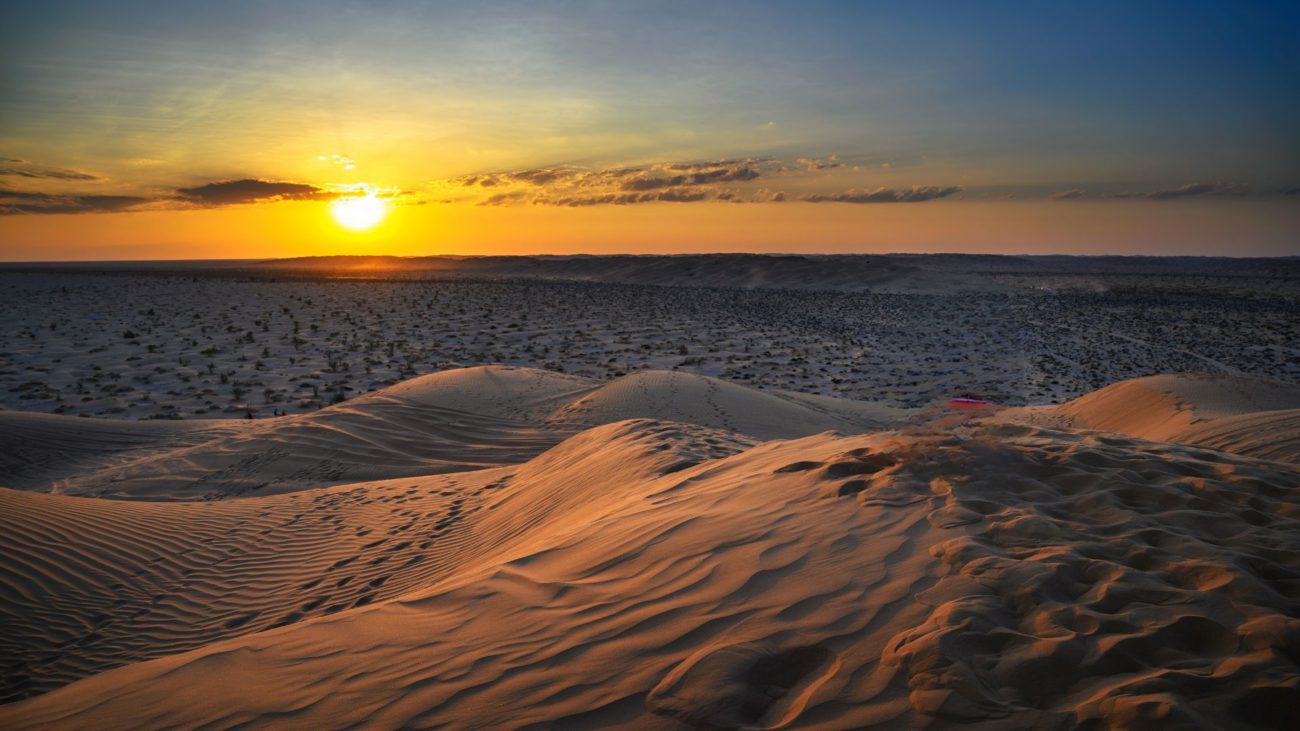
column 306, row 228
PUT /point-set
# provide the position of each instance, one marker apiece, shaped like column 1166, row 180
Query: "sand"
column 1249, row 416
column 453, row 421
column 664, row 551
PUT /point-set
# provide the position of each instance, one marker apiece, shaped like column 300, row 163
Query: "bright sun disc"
column 358, row 212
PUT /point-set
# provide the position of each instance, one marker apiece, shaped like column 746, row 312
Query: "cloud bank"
column 915, row 194
column 739, row 180
column 209, row 195
column 251, row 190
column 1190, row 190
column 25, row 169
column 728, row 180
column 16, row 202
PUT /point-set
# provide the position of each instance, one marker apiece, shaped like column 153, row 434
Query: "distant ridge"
column 884, row 273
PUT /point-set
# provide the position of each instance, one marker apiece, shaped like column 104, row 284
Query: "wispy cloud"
column 738, row 180
column 25, row 169
column 574, row 186
column 813, row 164
column 1199, row 189
column 17, row 202
column 915, row 194
column 208, row 195
column 1190, row 190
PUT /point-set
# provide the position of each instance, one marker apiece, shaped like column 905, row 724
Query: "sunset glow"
column 594, row 127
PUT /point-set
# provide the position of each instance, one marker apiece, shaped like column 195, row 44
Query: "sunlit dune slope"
column 1239, row 414
column 91, row 584
column 637, row 576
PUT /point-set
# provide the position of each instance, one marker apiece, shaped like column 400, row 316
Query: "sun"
column 359, row 213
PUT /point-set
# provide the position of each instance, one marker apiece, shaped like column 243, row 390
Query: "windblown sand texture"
column 512, row 548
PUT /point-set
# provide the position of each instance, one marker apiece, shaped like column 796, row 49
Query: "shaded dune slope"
column 637, row 576
column 37, row 450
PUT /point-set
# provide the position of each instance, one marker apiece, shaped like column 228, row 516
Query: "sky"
column 137, row 130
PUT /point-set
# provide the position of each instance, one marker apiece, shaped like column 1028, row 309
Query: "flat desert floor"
column 1045, row 501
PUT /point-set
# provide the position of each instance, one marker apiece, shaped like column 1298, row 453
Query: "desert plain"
column 696, row 492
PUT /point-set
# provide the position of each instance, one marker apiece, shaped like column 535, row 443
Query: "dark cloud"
column 684, row 196
column 223, row 193
column 534, row 176
column 723, row 181
column 251, row 190
column 504, row 199
column 1191, row 190
column 739, row 173
column 26, row 169
column 698, row 166
column 540, row 176
column 1067, row 194
column 915, row 194
column 618, row 199
column 15, row 202
column 1198, row 189
column 653, row 183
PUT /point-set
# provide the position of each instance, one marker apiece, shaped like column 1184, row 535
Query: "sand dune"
column 452, row 421
column 649, row 574
column 1248, row 416
column 93, row 584
column 508, row 547
column 716, row 403
column 37, row 450
column 506, row 392
column 385, row 437
column 1271, row 435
